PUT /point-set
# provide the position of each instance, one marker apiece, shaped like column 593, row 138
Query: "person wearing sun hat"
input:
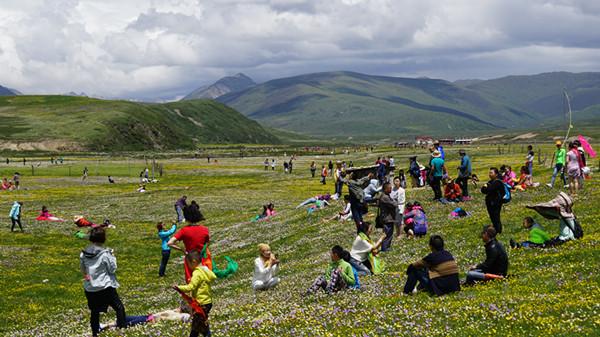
column 437, row 171
column 560, row 155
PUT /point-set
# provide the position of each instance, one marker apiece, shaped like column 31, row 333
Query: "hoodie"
column 15, row 211
column 100, row 264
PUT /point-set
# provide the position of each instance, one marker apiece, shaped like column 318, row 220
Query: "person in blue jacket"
column 165, row 235
column 15, row 215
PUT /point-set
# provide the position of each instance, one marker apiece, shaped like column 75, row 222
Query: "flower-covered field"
column 553, row 292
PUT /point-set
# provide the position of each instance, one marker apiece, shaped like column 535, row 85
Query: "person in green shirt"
column 339, row 274
column 538, row 237
column 560, row 155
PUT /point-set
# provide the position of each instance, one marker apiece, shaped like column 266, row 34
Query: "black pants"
column 99, row 301
column 388, row 229
column 436, row 186
column 163, row 263
column 15, row 222
column 494, row 212
column 463, row 182
column 199, row 324
column 414, row 276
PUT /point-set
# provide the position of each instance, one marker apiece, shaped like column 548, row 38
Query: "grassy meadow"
column 553, row 292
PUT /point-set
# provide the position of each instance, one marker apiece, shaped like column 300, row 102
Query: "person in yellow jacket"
column 199, row 289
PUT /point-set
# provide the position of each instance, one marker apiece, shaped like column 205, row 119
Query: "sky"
column 163, row 49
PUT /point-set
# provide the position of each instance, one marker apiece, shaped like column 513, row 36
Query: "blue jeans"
column 414, row 275
column 558, row 168
column 357, row 211
column 530, row 167
column 475, row 275
column 179, row 211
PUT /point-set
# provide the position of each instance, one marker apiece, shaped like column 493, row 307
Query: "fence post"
column 32, row 172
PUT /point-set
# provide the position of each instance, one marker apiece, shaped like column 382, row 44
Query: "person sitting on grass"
column 560, row 208
column 313, row 200
column 415, row 220
column 525, row 180
column 364, row 251
column 142, row 188
column 165, row 235
column 266, row 266
column 111, row 180
column 345, row 214
column 453, row 192
column 508, row 175
column 46, row 216
column 437, row 273
column 200, row 291
column 339, row 274
column 98, row 266
column 5, row 185
column 538, row 237
column 495, row 265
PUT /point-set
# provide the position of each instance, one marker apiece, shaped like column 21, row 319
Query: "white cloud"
column 159, row 49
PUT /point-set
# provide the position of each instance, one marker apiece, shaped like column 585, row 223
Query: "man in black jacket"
column 387, row 211
column 494, row 193
column 496, row 259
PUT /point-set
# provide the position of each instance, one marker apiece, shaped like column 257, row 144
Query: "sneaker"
column 566, row 186
column 549, row 185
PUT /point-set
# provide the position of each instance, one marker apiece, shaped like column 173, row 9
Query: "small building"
column 423, row 140
column 463, row 141
column 447, row 141
column 401, row 145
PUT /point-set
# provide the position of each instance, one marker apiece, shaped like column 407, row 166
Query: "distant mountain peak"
column 225, row 85
column 4, row 91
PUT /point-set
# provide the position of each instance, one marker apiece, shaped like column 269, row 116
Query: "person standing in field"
column 323, row 175
column 85, row 174
column 560, row 156
column 266, row 164
column 194, row 236
column 313, row 169
column 494, row 193
column 273, row 163
column 330, row 167
column 438, row 169
column 464, row 174
column 164, row 236
column 17, row 180
column 529, row 159
column 179, row 205
column 388, row 208
column 15, row 215
column 573, row 169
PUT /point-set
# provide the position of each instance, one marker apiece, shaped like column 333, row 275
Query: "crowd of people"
column 436, row 273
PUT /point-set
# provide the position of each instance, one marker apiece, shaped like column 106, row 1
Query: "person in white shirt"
column 399, row 195
column 361, row 248
column 266, row 267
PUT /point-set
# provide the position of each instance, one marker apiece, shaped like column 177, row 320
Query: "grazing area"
column 553, row 291
column 68, row 123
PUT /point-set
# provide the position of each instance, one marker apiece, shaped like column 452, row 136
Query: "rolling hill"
column 81, row 123
column 349, row 104
column 225, row 85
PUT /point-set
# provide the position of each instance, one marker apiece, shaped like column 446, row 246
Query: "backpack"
column 577, row 229
column 507, row 197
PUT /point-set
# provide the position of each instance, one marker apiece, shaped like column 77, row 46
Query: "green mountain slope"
column 65, row 122
column 358, row 105
column 542, row 95
column 352, row 104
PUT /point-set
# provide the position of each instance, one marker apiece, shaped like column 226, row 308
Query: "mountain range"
column 225, row 85
column 349, row 104
column 51, row 123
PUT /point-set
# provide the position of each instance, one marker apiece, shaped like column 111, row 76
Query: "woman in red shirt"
column 194, row 235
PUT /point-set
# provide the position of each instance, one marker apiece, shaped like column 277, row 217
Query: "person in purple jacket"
column 179, row 205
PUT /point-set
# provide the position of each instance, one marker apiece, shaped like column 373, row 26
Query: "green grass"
column 550, row 292
column 81, row 123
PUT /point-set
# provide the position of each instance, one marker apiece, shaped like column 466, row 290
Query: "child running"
column 200, row 291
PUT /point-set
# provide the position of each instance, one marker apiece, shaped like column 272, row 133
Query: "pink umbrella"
column 587, row 147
